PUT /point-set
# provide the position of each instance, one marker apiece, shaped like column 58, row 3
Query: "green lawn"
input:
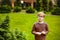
column 24, row 22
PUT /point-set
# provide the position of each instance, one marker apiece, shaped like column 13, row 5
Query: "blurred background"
column 18, row 16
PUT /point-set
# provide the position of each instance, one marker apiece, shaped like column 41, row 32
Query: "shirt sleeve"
column 33, row 29
column 47, row 30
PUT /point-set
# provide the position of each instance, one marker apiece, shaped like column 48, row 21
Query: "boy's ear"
column 44, row 15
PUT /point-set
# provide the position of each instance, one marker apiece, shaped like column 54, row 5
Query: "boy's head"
column 41, row 16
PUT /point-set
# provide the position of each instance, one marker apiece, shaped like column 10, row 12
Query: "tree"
column 20, row 35
column 18, row 3
column 58, row 3
column 4, row 29
column 50, row 5
column 45, row 5
column 37, row 5
column 5, row 2
column 5, row 24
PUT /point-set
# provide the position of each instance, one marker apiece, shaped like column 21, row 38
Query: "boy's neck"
column 41, row 21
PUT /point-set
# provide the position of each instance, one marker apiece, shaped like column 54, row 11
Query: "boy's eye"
column 40, row 16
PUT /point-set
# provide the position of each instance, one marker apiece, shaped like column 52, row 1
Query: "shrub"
column 5, row 9
column 45, row 5
column 6, row 34
column 37, row 5
column 1, row 38
column 58, row 3
column 51, row 7
column 17, row 9
column 56, row 11
column 5, row 23
column 19, row 35
column 30, row 10
column 18, row 3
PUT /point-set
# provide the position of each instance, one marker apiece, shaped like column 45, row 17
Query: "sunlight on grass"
column 24, row 22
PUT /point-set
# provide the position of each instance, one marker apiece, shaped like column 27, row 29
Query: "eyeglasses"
column 41, row 16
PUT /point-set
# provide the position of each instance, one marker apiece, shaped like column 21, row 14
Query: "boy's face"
column 40, row 18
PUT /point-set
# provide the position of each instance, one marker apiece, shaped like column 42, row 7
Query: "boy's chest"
column 40, row 27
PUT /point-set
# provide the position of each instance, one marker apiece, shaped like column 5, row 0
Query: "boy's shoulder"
column 45, row 22
column 35, row 23
column 38, row 22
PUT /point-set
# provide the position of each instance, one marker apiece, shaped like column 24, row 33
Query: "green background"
column 24, row 22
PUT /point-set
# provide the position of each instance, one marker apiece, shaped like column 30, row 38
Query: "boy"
column 40, row 28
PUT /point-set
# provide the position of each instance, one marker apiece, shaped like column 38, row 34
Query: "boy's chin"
column 40, row 21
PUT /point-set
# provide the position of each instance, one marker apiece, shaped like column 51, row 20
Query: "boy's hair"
column 41, row 13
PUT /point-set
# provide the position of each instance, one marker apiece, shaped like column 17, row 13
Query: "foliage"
column 56, row 11
column 30, row 10
column 17, row 9
column 18, row 3
column 5, row 9
column 50, row 6
column 20, row 35
column 5, row 23
column 37, row 5
column 45, row 5
column 5, row 2
column 6, row 34
column 58, row 3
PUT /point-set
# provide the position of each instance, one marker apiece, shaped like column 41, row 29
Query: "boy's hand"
column 38, row 33
column 43, row 32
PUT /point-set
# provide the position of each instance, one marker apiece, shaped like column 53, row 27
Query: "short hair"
column 41, row 13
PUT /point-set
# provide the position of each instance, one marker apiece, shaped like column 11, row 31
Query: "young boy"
column 40, row 28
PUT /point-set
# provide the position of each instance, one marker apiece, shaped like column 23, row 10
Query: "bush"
column 5, row 23
column 18, row 3
column 58, row 3
column 17, row 9
column 30, row 10
column 37, row 6
column 51, row 7
column 56, row 11
column 19, row 35
column 5, row 9
column 1, row 38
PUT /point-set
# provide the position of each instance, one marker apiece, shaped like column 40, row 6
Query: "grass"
column 24, row 22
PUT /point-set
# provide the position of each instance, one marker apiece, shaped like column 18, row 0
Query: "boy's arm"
column 34, row 30
column 47, row 30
